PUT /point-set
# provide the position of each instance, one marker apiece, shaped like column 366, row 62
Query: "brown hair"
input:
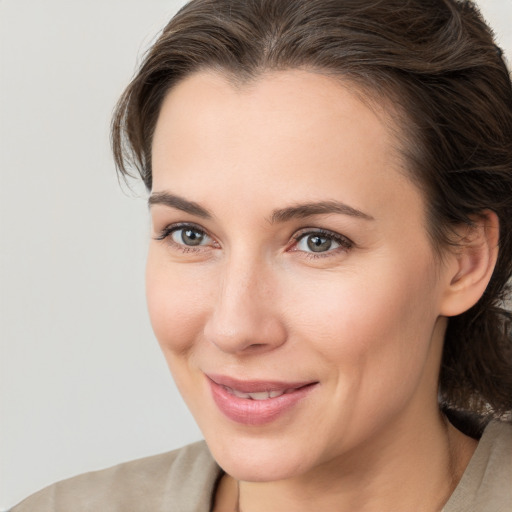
column 436, row 61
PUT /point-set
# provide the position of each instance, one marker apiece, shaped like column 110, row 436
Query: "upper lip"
column 256, row 386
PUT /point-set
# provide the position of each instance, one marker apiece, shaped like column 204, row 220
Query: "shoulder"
column 181, row 480
column 493, row 458
column 486, row 485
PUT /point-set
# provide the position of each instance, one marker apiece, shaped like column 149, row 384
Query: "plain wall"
column 82, row 382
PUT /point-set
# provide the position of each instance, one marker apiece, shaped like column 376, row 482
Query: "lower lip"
column 256, row 412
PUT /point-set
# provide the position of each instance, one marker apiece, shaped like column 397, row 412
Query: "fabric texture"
column 486, row 485
column 179, row 481
column 184, row 481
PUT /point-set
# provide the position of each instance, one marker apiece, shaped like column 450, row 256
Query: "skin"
column 364, row 319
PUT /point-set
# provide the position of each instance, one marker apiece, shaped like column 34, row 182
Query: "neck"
column 404, row 470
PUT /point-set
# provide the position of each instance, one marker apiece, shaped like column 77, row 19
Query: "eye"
column 189, row 236
column 186, row 237
column 316, row 243
column 321, row 241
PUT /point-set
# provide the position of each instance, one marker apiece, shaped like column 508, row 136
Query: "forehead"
column 285, row 134
column 307, row 94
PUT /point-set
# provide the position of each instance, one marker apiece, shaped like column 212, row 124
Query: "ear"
column 470, row 264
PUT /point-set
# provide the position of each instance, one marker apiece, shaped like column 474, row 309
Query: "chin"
column 259, row 459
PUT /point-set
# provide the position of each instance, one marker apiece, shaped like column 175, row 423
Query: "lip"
column 247, row 411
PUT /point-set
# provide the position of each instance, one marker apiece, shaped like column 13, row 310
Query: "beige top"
column 184, row 481
column 486, row 485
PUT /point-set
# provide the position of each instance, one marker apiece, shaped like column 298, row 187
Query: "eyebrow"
column 302, row 211
column 180, row 203
column 299, row 211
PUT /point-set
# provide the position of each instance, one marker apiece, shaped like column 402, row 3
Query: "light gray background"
column 82, row 382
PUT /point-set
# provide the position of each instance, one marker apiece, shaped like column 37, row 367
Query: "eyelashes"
column 318, row 242
column 186, row 237
column 311, row 242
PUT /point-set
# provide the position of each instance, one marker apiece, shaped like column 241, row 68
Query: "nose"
column 246, row 316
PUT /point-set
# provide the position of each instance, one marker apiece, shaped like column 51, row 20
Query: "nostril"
column 256, row 346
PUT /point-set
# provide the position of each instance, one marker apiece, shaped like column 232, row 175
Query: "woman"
column 331, row 200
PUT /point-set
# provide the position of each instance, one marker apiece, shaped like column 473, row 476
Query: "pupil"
column 191, row 237
column 319, row 243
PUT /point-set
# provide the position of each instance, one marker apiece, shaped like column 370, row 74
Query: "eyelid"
column 168, row 230
column 174, row 226
column 344, row 242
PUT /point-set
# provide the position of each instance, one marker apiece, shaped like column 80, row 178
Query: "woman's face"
column 290, row 279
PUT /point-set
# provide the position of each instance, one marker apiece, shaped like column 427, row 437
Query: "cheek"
column 368, row 321
column 374, row 333
column 176, row 299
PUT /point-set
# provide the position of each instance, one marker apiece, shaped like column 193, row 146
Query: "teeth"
column 239, row 394
column 262, row 395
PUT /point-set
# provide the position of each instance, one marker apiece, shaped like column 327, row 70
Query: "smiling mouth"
column 261, row 395
column 256, row 403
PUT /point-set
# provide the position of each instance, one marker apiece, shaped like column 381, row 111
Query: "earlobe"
column 471, row 264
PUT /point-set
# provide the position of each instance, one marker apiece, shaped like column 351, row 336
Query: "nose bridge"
column 244, row 314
